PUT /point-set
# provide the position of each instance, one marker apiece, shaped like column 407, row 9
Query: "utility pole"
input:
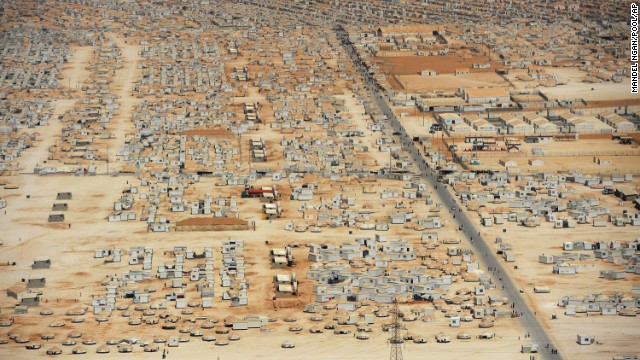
column 107, row 159
column 240, row 146
column 389, row 162
column 441, row 152
column 475, row 146
column 396, row 339
column 406, row 92
column 453, row 148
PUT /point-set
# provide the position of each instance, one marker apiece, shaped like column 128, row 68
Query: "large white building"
column 479, row 123
column 540, row 124
column 495, row 97
column 516, row 125
column 578, row 123
column 616, row 121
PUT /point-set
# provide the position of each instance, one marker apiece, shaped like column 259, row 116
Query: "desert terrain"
column 243, row 180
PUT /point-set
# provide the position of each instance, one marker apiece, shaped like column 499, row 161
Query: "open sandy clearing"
column 76, row 71
column 123, row 81
column 38, row 154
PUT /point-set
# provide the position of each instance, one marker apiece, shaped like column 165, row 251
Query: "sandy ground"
column 122, row 87
column 48, row 136
column 450, row 82
column 28, row 234
column 600, row 91
column 76, row 72
column 76, row 276
column 574, row 155
column 312, row 347
column 561, row 157
column 563, row 163
column 359, row 121
column 612, row 332
column 410, row 65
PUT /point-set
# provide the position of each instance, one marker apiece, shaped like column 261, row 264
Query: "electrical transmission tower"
column 396, row 339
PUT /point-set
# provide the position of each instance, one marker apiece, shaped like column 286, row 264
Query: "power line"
column 396, row 340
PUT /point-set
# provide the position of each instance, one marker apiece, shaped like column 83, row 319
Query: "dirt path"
column 76, row 72
column 38, row 154
column 123, row 82
column 270, row 135
column 359, row 122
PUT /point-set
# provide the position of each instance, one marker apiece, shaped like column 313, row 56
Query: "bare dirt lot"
column 599, row 91
column 450, row 82
column 446, row 64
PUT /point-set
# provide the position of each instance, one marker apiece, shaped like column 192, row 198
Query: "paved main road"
column 528, row 319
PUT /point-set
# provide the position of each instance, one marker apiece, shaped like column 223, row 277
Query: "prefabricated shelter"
column 565, row 269
column 546, row 259
column 36, row 281
column 486, row 220
column 64, row 196
column 60, row 207
column 541, row 289
column 15, row 291
column 599, row 222
column 141, row 298
column 278, row 261
column 285, row 285
column 56, row 218
column 608, row 310
column 281, row 257
column 626, row 193
column 449, row 118
column 479, row 124
column 29, row 299
column 541, row 125
column 173, row 341
column 509, row 256
column 41, row 262
column 443, row 338
column 460, row 127
column 616, row 121
column 516, row 125
column 271, row 210
column 584, row 339
column 529, row 348
column 159, row 227
column 428, row 72
column 625, row 357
